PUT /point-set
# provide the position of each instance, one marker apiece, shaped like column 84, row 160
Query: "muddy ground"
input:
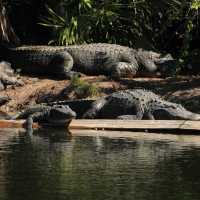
column 184, row 89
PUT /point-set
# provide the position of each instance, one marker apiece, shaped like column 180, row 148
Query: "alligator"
column 136, row 104
column 56, row 115
column 80, row 106
column 7, row 76
column 111, row 60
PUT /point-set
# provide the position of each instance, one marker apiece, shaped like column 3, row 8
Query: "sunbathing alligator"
column 57, row 115
column 93, row 59
column 135, row 104
column 109, row 59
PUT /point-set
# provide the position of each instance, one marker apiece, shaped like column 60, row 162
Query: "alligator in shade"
column 112, row 60
column 56, row 115
column 136, row 104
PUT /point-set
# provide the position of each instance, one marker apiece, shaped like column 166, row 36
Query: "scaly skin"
column 108, row 59
column 135, row 104
column 57, row 115
column 80, row 106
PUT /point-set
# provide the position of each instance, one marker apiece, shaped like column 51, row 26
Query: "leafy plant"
column 82, row 88
column 66, row 33
column 99, row 21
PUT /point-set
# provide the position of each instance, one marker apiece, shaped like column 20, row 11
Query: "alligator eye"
column 173, row 107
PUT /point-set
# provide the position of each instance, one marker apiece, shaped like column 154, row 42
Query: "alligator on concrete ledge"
column 92, row 59
column 57, row 115
column 136, row 104
column 80, row 106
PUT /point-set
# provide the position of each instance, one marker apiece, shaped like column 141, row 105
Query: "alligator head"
column 166, row 65
column 178, row 111
column 153, row 62
column 61, row 115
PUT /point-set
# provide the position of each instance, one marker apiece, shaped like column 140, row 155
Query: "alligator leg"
column 61, row 64
column 138, row 116
column 94, row 110
column 29, row 124
column 149, row 116
column 123, row 69
column 33, row 118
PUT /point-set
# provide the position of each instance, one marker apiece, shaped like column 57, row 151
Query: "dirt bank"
column 185, row 90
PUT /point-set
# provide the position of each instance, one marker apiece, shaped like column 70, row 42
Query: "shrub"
column 83, row 89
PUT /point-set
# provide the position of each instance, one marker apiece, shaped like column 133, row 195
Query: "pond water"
column 97, row 165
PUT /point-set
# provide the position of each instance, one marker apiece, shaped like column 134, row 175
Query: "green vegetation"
column 82, row 88
column 124, row 22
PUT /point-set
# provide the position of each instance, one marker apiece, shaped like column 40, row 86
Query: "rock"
column 7, row 76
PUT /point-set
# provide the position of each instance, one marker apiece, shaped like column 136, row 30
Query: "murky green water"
column 129, row 166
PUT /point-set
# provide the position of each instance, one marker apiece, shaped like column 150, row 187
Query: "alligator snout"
column 195, row 117
column 166, row 65
column 73, row 114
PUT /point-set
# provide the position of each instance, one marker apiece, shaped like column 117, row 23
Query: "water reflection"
column 53, row 164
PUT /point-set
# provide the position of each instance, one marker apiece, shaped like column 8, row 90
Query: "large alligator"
column 136, row 104
column 56, row 115
column 92, row 59
column 109, row 59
